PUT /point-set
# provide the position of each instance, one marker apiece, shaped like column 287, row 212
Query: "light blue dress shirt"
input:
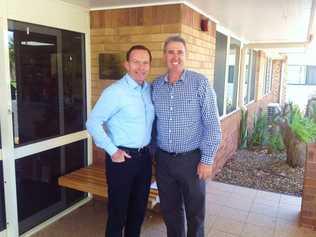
column 123, row 116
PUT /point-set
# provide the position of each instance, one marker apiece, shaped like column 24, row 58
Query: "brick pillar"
column 308, row 210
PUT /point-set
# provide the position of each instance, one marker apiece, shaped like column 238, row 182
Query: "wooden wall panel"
column 140, row 16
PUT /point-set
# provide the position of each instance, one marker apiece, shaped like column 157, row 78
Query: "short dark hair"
column 174, row 38
column 136, row 47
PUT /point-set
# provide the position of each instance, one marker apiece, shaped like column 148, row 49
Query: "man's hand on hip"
column 119, row 156
column 204, row 171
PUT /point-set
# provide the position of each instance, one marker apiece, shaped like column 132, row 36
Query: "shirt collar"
column 182, row 77
column 132, row 83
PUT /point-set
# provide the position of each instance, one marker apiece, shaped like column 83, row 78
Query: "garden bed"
column 259, row 170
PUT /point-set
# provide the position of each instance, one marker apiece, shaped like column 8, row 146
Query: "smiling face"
column 175, row 55
column 138, row 65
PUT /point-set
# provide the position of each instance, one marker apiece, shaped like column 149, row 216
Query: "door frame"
column 73, row 18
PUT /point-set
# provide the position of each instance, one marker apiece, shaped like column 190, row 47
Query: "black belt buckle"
column 133, row 150
column 179, row 154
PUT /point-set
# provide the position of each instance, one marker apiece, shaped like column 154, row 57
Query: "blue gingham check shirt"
column 186, row 115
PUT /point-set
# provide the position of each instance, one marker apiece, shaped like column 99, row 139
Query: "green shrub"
column 275, row 143
column 304, row 128
column 244, row 129
column 260, row 127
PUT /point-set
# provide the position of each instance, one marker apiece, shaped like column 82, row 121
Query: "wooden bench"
column 92, row 179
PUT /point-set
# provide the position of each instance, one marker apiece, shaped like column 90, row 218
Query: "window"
column 226, row 61
column 47, row 82
column 267, row 83
column 250, row 76
column 233, row 70
column 311, row 75
column 219, row 72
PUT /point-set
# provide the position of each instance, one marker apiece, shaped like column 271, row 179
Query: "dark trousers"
column 181, row 193
column 128, row 190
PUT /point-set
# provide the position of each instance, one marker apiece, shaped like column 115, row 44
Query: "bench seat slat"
column 92, row 179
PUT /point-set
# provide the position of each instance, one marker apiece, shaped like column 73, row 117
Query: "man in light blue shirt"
column 121, row 123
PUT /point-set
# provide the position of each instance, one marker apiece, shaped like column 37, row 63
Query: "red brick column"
column 308, row 210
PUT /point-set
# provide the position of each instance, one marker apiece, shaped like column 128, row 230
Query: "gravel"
column 259, row 170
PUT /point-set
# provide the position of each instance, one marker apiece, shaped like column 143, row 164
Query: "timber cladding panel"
column 115, row 31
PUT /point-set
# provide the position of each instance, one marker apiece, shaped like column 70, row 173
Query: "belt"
column 134, row 150
column 179, row 154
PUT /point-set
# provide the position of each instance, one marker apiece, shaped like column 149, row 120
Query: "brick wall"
column 308, row 209
column 284, row 82
column 276, row 79
column 115, row 31
column 230, row 140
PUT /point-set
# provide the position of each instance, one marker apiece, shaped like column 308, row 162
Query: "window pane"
column 253, row 75
column 39, row 196
column 2, row 205
column 220, row 68
column 246, row 76
column 73, row 83
column 47, row 81
column 311, row 75
column 232, row 83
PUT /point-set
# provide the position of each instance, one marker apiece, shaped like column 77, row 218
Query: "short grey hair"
column 174, row 38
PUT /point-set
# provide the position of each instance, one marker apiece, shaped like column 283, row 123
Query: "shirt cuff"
column 111, row 149
column 207, row 160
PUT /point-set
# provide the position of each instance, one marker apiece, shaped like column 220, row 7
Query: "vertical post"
column 7, row 130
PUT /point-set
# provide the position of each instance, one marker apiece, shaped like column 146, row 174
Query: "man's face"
column 175, row 55
column 138, row 65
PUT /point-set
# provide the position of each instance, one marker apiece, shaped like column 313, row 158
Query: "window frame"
column 250, row 75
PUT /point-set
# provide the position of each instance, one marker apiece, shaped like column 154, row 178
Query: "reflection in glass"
column 250, row 76
column 47, row 81
column 39, row 196
column 73, row 83
column 220, row 70
column 233, row 69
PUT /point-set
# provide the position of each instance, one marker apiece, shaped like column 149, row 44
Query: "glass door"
column 48, row 99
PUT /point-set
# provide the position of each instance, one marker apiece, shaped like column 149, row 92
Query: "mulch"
column 260, row 170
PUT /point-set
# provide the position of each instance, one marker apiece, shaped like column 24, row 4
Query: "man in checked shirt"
column 188, row 136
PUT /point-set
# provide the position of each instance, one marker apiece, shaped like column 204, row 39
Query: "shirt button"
column 171, row 97
column 170, row 108
column 169, row 130
column 170, row 119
